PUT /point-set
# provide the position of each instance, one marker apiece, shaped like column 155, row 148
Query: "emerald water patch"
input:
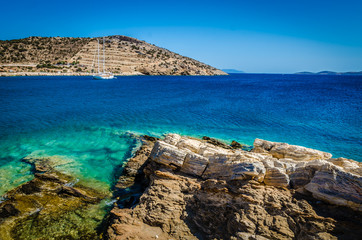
column 90, row 154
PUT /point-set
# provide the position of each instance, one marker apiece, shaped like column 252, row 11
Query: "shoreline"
column 24, row 74
column 169, row 186
column 28, row 74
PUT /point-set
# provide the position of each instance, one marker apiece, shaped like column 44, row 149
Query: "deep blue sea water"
column 87, row 123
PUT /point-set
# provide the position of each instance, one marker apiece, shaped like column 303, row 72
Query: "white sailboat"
column 103, row 75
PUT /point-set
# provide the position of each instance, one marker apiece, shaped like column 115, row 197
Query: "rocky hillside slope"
column 124, row 55
column 204, row 189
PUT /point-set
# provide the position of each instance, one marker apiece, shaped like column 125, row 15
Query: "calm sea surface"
column 90, row 123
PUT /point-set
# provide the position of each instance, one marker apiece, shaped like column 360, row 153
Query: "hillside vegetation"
column 124, row 55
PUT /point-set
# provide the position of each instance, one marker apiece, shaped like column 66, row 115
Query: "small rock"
column 149, row 138
column 235, row 144
column 8, row 210
column 216, row 142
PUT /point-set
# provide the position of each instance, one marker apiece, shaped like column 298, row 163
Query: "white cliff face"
column 337, row 181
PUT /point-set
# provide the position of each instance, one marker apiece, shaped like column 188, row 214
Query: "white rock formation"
column 337, row 181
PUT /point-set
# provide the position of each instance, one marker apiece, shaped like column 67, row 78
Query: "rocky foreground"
column 204, row 189
column 187, row 188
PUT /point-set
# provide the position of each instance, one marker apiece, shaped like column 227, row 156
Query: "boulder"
column 233, row 167
column 348, row 165
column 190, row 144
column 247, row 171
column 194, row 164
column 172, row 139
column 337, row 187
column 208, row 150
column 168, row 155
column 303, row 172
column 276, row 177
column 284, row 150
column 218, row 168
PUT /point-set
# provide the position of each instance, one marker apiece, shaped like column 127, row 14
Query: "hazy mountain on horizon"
column 232, row 71
column 330, row 73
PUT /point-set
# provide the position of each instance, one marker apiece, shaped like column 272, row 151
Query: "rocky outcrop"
column 51, row 206
column 200, row 190
column 276, row 164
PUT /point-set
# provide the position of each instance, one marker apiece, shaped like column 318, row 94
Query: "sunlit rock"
column 167, row 154
column 194, row 164
column 276, row 177
column 284, row 150
column 172, row 138
column 337, row 187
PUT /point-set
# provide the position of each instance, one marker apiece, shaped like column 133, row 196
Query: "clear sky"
column 271, row 36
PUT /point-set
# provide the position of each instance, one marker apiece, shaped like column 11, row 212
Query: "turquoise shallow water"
column 90, row 124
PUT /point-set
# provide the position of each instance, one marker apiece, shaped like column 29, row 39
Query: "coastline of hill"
column 53, row 56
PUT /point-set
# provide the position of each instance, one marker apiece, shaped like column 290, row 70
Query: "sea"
column 93, row 125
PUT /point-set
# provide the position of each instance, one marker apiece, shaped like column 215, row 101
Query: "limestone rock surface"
column 284, row 150
column 276, row 177
column 167, row 154
column 275, row 164
column 194, row 164
column 337, row 187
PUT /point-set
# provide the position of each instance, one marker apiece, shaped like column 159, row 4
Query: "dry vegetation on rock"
column 124, row 55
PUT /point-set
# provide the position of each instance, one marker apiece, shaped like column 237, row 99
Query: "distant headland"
column 76, row 56
column 330, row 73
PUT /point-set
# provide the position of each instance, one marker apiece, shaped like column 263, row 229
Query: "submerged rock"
column 51, row 206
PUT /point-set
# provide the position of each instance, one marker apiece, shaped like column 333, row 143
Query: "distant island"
column 232, row 71
column 76, row 56
column 330, row 73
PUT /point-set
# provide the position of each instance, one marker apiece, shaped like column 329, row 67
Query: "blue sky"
column 271, row 36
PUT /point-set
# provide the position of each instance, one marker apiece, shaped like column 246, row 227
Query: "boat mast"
column 104, row 57
column 98, row 54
